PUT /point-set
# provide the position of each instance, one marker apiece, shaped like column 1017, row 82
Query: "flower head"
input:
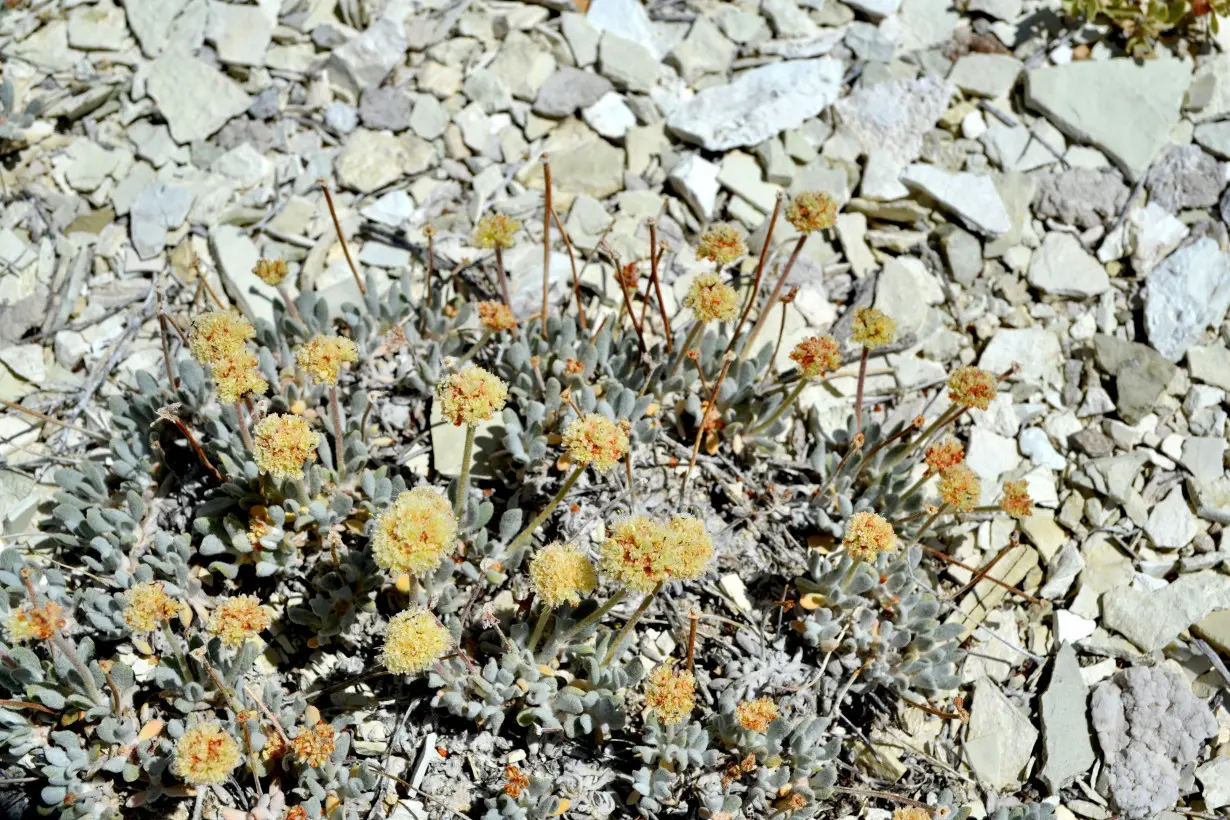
column 313, row 747
column 872, row 328
column 756, row 715
column 689, row 548
column 471, row 396
column 282, row 443
column 237, row 619
column 960, row 487
column 496, row 316
column 596, row 440
column 414, row 641
column 238, row 375
column 812, row 211
column 867, row 535
column 415, row 533
column 670, row 696
column 641, row 553
column 944, row 455
column 561, row 574
column 149, row 606
column 972, row 387
column 722, row 244
column 205, row 754
column 496, row 231
column 1016, row 501
column 911, row 813
column 712, row 299
column 817, row 356
column 324, row 356
column 218, row 334
column 35, row 622
column 270, row 271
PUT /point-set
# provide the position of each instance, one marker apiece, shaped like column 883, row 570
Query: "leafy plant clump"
column 1145, row 23
column 249, row 604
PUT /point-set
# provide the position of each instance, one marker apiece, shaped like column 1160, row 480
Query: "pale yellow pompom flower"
column 270, row 271
column 496, row 231
column 218, row 334
column 560, row 574
column 817, row 356
column 323, row 357
column 867, row 535
column 721, row 244
column 944, row 455
column 971, row 387
column 414, row 641
column 960, row 487
column 670, row 695
column 635, row 553
column 281, row 443
column 205, row 754
column 238, row 375
column 32, row 622
column 596, row 441
column 149, row 606
column 756, row 715
column 496, row 316
column 911, row 813
column 471, row 396
column 415, row 533
column 711, row 299
column 689, row 548
column 872, row 328
column 237, row 619
column 1016, row 501
column 313, row 747
column 812, row 211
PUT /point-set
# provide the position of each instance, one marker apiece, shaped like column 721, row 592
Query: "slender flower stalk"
column 688, row 341
column 524, row 536
column 337, row 226
column 546, row 240
column 572, row 260
column 243, row 427
column 700, row 429
column 463, row 480
column 586, row 622
column 291, row 308
column 764, row 255
column 657, row 285
column 773, row 295
column 339, row 455
column 618, row 643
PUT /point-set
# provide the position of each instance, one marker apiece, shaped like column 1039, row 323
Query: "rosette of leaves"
column 532, row 802
column 592, row 704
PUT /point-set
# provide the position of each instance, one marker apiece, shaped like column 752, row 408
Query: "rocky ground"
column 1013, row 188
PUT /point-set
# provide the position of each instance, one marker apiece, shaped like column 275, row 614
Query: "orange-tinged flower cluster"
column 237, row 619
column 972, row 387
column 270, row 271
column 414, row 641
column 960, row 487
column 282, row 443
column 911, row 813
column 872, row 328
column 217, row 335
column 496, row 316
column 496, row 231
column 711, row 299
column 756, row 715
column 471, row 396
column 867, row 535
column 641, row 553
column 670, row 696
column 812, row 211
column 238, row 375
column 323, row 357
column 817, row 356
column 415, row 533
column 944, row 455
column 561, row 574
column 721, row 244
column 595, row 440
column 32, row 622
column 205, row 754
column 1016, row 501
column 313, row 747
column 149, row 606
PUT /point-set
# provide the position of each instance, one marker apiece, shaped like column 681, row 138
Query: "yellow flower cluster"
column 711, row 299
column 960, row 487
column 270, row 271
column 282, row 443
column 414, row 641
column 867, row 535
column 496, row 231
column 971, row 387
column 238, row 375
column 812, row 211
column 471, row 396
column 911, row 813
column 496, row 316
column 872, row 328
column 756, row 715
column 721, row 244
column 817, row 356
column 415, row 533
column 641, row 553
column 323, row 357
column 149, row 606
column 561, row 574
column 217, row 335
column 35, row 622
column 313, row 747
column 670, row 696
column 1016, row 501
column 595, row 440
column 237, row 619
column 205, row 754
column 943, row 456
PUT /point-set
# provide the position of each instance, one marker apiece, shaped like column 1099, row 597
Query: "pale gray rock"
column 1006, row 10
column 1214, row 137
column 371, row 160
column 627, row 19
column 240, row 34
column 265, row 105
column 1064, row 268
column 1000, row 738
column 1036, row 444
column 1018, row 148
column 907, row 291
column 610, row 117
column 341, row 117
column 695, row 179
column 705, row 50
column 1171, row 524
column 963, row 252
column 1204, row 456
column 1036, row 350
column 1185, row 294
column 1124, row 107
column 91, row 164
column 385, row 109
column 871, row 42
column 1153, row 618
column 430, row 117
column 927, row 23
column 972, row 198
column 787, row 19
column 1141, row 374
column 759, row 104
column 150, row 21
column 582, row 38
column 522, row 65
column 892, row 116
column 626, row 63
column 587, row 222
column 236, row 256
column 1214, row 76
column 392, row 209
column 569, row 89
column 1066, row 742
column 987, row 75
column 365, row 60
column 1210, row 365
column 1214, row 777
column 98, row 27
column 1185, row 177
column 876, row 9
column 195, row 99
column 26, row 362
column 157, row 209
column 243, row 164
column 1083, row 197
column 1148, row 234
